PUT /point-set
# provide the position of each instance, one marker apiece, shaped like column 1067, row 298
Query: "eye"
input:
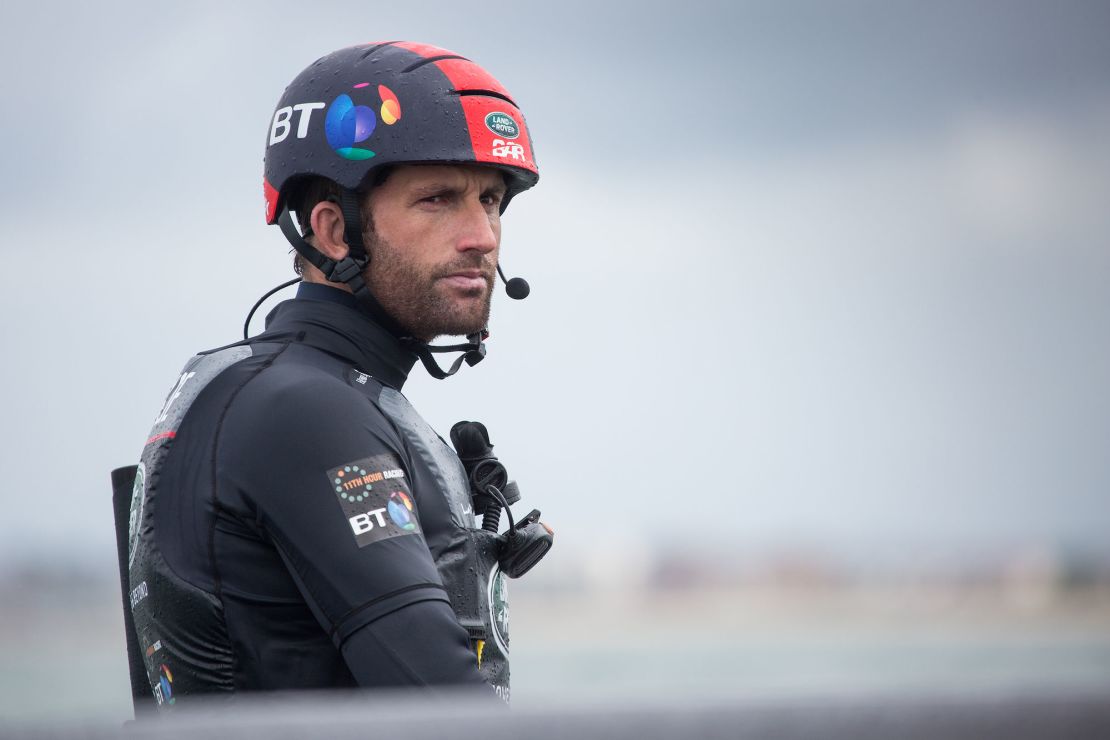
column 493, row 198
column 434, row 199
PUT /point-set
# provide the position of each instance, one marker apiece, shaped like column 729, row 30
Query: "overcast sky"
column 804, row 275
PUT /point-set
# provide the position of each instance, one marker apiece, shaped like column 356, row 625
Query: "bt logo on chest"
column 362, row 523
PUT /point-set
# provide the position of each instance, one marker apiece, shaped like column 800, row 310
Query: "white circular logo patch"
column 499, row 608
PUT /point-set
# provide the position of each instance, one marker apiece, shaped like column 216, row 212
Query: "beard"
column 416, row 299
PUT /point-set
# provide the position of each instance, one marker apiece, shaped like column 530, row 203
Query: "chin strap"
column 474, row 351
column 349, row 272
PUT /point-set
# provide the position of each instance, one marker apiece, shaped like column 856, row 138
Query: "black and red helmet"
column 390, row 103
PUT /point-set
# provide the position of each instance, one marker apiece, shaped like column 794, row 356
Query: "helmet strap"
column 352, row 224
column 347, row 270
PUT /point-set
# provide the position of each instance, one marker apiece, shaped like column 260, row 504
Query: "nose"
column 480, row 230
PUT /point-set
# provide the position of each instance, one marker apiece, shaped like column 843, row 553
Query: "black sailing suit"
column 296, row 524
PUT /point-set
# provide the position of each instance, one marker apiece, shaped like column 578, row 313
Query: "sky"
column 804, row 275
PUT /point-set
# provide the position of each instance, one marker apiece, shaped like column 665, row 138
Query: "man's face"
column 433, row 250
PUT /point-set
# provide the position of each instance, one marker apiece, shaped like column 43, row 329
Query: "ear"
column 327, row 225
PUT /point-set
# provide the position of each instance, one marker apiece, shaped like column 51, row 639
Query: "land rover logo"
column 502, row 124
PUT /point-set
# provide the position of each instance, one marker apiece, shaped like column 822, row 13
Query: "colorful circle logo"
column 351, row 485
column 347, row 124
column 400, row 511
column 165, row 683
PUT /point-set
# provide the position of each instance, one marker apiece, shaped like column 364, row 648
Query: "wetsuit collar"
column 318, row 292
column 333, row 322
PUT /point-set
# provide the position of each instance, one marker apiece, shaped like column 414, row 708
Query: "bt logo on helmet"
column 345, row 124
column 348, row 124
column 280, row 127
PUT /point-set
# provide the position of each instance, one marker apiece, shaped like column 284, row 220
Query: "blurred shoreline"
column 695, row 626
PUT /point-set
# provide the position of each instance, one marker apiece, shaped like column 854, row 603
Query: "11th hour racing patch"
column 375, row 497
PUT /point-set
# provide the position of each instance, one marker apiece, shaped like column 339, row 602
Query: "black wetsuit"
column 296, row 524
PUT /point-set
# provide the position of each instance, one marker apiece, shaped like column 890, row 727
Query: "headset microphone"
column 517, row 288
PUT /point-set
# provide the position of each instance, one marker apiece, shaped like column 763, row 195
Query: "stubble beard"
column 416, row 299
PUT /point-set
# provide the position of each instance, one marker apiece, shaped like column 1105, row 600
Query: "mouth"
column 468, row 280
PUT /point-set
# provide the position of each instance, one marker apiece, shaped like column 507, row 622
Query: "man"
column 294, row 522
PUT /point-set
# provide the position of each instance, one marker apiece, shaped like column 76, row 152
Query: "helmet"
column 381, row 104
column 398, row 102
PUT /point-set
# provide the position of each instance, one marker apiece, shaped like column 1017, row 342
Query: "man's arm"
column 324, row 477
column 418, row 645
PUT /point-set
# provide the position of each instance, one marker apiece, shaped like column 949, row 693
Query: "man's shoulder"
column 269, row 368
column 297, row 389
column 297, row 411
column 267, row 382
column 252, row 396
